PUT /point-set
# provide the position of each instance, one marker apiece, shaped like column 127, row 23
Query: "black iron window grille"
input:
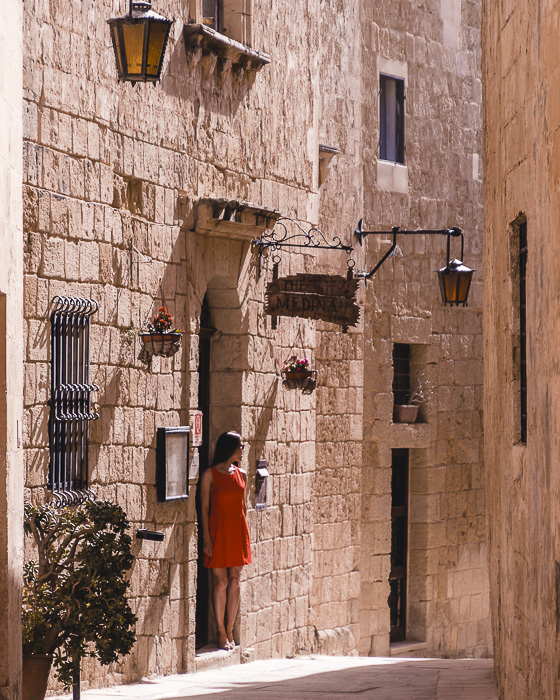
column 523, row 328
column 401, row 373
column 391, row 119
column 70, row 404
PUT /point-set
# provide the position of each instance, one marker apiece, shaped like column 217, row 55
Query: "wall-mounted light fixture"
column 454, row 279
column 139, row 41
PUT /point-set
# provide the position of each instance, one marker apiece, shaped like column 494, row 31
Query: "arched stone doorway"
column 222, row 360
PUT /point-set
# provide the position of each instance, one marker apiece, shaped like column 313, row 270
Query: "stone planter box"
column 405, row 413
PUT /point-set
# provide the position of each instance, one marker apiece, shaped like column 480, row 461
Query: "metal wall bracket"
column 288, row 233
column 396, row 231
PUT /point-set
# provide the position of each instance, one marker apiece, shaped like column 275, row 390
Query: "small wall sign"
column 323, row 297
column 196, row 421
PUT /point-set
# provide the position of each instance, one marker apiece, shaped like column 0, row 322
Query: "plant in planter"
column 408, row 413
column 74, row 592
column 161, row 338
column 296, row 370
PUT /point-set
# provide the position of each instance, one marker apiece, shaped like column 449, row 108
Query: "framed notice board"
column 172, row 463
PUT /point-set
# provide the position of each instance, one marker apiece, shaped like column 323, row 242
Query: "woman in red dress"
column 227, row 547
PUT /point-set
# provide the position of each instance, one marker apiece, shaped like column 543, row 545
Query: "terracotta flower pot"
column 36, row 669
column 163, row 344
column 405, row 414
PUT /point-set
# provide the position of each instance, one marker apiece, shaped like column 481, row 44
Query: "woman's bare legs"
column 220, row 592
column 232, row 603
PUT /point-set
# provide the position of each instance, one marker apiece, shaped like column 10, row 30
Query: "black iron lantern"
column 455, row 279
column 139, row 40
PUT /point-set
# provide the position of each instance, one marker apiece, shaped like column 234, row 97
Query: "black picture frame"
column 172, row 463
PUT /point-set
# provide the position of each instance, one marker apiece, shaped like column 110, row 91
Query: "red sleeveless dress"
column 227, row 523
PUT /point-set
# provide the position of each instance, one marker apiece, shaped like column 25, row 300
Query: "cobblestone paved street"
column 312, row 678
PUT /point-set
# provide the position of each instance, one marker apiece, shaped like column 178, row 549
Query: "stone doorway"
column 222, row 361
column 204, row 404
column 399, row 544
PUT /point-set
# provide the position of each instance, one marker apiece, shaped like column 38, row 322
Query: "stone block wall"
column 113, row 182
column 435, row 49
column 521, row 120
column 11, row 347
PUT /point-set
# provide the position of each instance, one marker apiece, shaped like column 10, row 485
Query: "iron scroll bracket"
column 283, row 236
column 396, row 231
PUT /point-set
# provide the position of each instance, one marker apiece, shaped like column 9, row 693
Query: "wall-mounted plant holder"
column 172, row 463
column 261, row 478
column 306, row 380
column 162, row 344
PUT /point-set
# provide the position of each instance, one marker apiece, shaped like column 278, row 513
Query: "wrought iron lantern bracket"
column 280, row 237
column 396, row 230
column 454, row 277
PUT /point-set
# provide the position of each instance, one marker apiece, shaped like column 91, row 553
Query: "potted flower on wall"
column 161, row 338
column 408, row 413
column 296, row 368
column 74, row 591
column 297, row 371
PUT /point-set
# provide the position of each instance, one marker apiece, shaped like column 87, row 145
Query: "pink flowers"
column 296, row 364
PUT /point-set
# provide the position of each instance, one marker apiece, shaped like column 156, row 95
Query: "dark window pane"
column 391, row 119
column 523, row 327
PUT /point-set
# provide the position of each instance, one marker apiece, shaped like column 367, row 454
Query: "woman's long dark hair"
column 226, row 445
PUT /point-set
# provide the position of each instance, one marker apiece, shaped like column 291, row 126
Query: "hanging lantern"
column 455, row 282
column 139, row 41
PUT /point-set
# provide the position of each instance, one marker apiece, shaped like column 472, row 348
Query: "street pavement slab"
column 317, row 677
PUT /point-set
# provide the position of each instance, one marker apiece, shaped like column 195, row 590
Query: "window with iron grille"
column 391, row 119
column 523, row 330
column 401, row 373
column 70, row 404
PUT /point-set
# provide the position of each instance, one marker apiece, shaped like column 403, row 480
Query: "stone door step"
column 209, row 658
column 409, row 650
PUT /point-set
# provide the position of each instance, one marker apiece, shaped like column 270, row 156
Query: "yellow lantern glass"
column 156, row 41
column 133, row 39
column 455, row 281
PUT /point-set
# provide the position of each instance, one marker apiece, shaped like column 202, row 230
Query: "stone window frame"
column 392, row 176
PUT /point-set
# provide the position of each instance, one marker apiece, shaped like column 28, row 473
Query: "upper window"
column 391, row 119
column 211, row 14
column 233, row 18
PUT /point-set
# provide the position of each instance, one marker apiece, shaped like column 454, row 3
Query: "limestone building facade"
column 139, row 195
column 11, row 347
column 521, row 120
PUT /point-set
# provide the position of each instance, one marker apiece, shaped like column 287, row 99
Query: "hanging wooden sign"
column 322, row 297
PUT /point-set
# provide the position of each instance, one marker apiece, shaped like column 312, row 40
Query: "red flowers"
column 162, row 322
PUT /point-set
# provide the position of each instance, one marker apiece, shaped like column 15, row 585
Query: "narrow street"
column 322, row 677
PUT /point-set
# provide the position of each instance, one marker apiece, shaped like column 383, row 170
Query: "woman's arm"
column 206, row 481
